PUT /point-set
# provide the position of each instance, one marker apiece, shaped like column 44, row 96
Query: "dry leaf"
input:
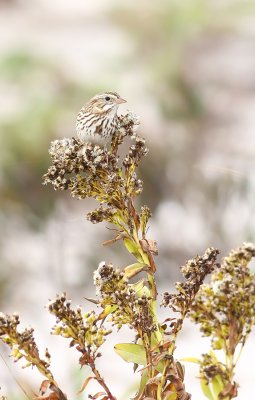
column 149, row 246
column 85, row 383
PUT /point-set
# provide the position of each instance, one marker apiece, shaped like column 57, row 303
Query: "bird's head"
column 107, row 102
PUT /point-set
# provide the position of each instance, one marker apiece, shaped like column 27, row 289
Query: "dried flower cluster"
column 82, row 329
column 225, row 310
column 23, row 344
column 230, row 299
column 87, row 334
column 120, row 298
column 88, row 170
column 194, row 272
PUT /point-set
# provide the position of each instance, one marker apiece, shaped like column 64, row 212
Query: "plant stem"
column 101, row 381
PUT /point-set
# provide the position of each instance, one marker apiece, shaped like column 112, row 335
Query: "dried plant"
column 90, row 171
column 23, row 346
column 225, row 311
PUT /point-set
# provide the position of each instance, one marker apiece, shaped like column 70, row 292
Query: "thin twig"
column 14, row 378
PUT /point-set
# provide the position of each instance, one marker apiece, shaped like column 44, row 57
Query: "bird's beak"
column 120, row 100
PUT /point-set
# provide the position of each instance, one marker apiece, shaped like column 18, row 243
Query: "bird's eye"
column 107, row 98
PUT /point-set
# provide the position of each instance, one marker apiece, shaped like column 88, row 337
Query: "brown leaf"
column 230, row 390
column 180, row 370
column 149, row 246
column 94, row 301
column 52, row 396
column 153, row 381
column 135, row 367
column 99, row 394
column 233, row 335
column 85, row 383
column 148, row 398
column 134, row 214
column 164, row 347
column 44, row 386
column 177, row 382
column 153, row 268
column 55, row 394
column 185, row 396
column 151, row 388
column 115, row 239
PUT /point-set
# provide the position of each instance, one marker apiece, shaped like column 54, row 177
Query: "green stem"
column 238, row 354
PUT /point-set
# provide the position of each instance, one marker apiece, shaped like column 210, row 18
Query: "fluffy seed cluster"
column 225, row 309
column 194, row 272
column 126, row 306
column 82, row 329
column 210, row 368
column 23, row 345
column 88, row 170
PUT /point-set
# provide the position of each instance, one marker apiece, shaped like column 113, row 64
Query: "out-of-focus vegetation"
column 172, row 42
column 40, row 98
column 163, row 34
column 37, row 103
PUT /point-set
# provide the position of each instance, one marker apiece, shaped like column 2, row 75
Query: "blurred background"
column 187, row 68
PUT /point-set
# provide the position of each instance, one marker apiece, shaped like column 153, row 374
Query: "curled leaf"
column 149, row 246
column 134, row 269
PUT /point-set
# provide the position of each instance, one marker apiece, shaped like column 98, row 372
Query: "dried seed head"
column 90, row 171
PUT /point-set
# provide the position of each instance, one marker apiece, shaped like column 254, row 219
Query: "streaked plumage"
column 97, row 121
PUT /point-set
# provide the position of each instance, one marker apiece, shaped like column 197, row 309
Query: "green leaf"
column 109, row 309
column 131, row 352
column 134, row 269
column 218, row 344
column 156, row 338
column 213, row 356
column 143, row 381
column 192, row 359
column 217, row 385
column 130, row 245
column 140, row 288
column 133, row 249
column 206, row 389
column 135, row 353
